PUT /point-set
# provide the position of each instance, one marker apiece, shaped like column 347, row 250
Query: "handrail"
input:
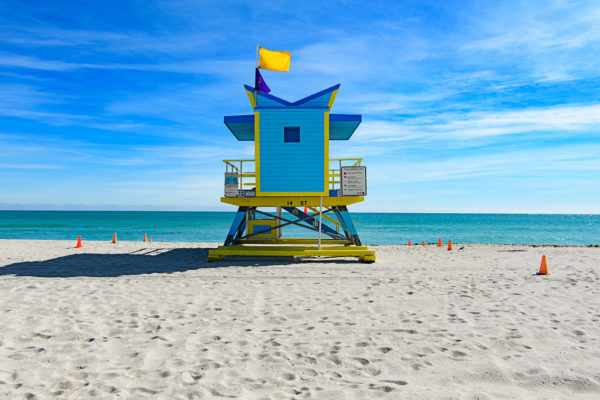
column 237, row 166
column 357, row 160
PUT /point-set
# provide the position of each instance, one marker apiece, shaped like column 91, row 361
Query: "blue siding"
column 292, row 167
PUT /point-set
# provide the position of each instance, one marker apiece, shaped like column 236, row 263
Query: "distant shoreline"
column 232, row 210
column 373, row 228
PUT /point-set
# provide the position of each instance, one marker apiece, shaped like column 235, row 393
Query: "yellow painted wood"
column 326, row 148
column 358, row 160
column 291, row 201
column 332, row 98
column 346, row 251
column 251, row 98
column 288, row 194
column 327, row 217
column 271, row 222
column 293, row 248
column 257, row 149
column 294, row 241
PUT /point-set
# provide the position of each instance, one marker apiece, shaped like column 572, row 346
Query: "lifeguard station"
column 292, row 172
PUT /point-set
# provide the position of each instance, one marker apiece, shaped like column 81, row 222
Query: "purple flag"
column 259, row 83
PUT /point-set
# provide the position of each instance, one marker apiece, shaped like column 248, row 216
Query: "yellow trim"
column 325, row 191
column 285, row 194
column 251, row 98
column 332, row 98
column 295, row 241
column 271, row 222
column 358, row 160
column 327, row 217
column 257, row 149
column 284, row 248
column 362, row 252
column 326, row 150
column 291, row 201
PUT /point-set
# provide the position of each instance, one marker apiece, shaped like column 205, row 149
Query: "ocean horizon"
column 373, row 228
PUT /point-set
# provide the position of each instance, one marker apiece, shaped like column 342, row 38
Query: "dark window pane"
column 291, row 134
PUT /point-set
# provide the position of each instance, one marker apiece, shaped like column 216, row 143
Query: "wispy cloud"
column 466, row 126
column 30, row 166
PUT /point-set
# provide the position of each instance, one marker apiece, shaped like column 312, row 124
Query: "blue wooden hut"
column 292, row 171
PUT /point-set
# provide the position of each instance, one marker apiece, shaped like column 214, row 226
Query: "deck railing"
column 245, row 173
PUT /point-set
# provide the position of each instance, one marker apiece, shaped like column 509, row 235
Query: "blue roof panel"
column 342, row 126
column 242, row 126
column 317, row 100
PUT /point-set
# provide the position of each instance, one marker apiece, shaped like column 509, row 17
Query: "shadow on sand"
column 145, row 261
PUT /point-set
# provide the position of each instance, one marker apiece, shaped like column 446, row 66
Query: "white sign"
column 354, row 181
column 231, row 184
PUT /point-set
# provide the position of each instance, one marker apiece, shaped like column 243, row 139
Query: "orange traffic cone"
column 440, row 242
column 409, row 242
column 150, row 239
column 305, row 210
column 423, row 243
column 78, row 245
column 144, row 237
column 115, row 238
column 449, row 244
column 543, row 267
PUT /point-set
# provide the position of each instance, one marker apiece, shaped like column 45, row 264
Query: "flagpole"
column 256, row 69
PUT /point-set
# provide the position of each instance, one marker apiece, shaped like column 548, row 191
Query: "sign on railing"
column 231, row 184
column 354, row 181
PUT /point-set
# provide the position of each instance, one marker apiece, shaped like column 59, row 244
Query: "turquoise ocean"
column 373, row 228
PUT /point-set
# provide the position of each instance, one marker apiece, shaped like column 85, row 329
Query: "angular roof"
column 320, row 100
column 341, row 126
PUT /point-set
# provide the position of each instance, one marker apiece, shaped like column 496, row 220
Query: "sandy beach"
column 137, row 320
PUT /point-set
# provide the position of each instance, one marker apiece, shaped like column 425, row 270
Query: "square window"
column 291, row 134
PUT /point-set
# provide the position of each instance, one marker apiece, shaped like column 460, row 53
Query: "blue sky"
column 484, row 106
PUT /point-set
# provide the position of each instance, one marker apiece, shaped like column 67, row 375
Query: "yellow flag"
column 274, row 60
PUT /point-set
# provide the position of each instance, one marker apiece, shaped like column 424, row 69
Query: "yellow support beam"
column 362, row 252
column 291, row 201
column 293, row 248
column 293, row 241
column 327, row 217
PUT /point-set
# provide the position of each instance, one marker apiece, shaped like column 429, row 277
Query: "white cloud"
column 465, row 126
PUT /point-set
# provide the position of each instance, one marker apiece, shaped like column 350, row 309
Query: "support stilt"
column 240, row 242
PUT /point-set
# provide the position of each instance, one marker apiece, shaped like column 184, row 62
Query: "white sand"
column 134, row 320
